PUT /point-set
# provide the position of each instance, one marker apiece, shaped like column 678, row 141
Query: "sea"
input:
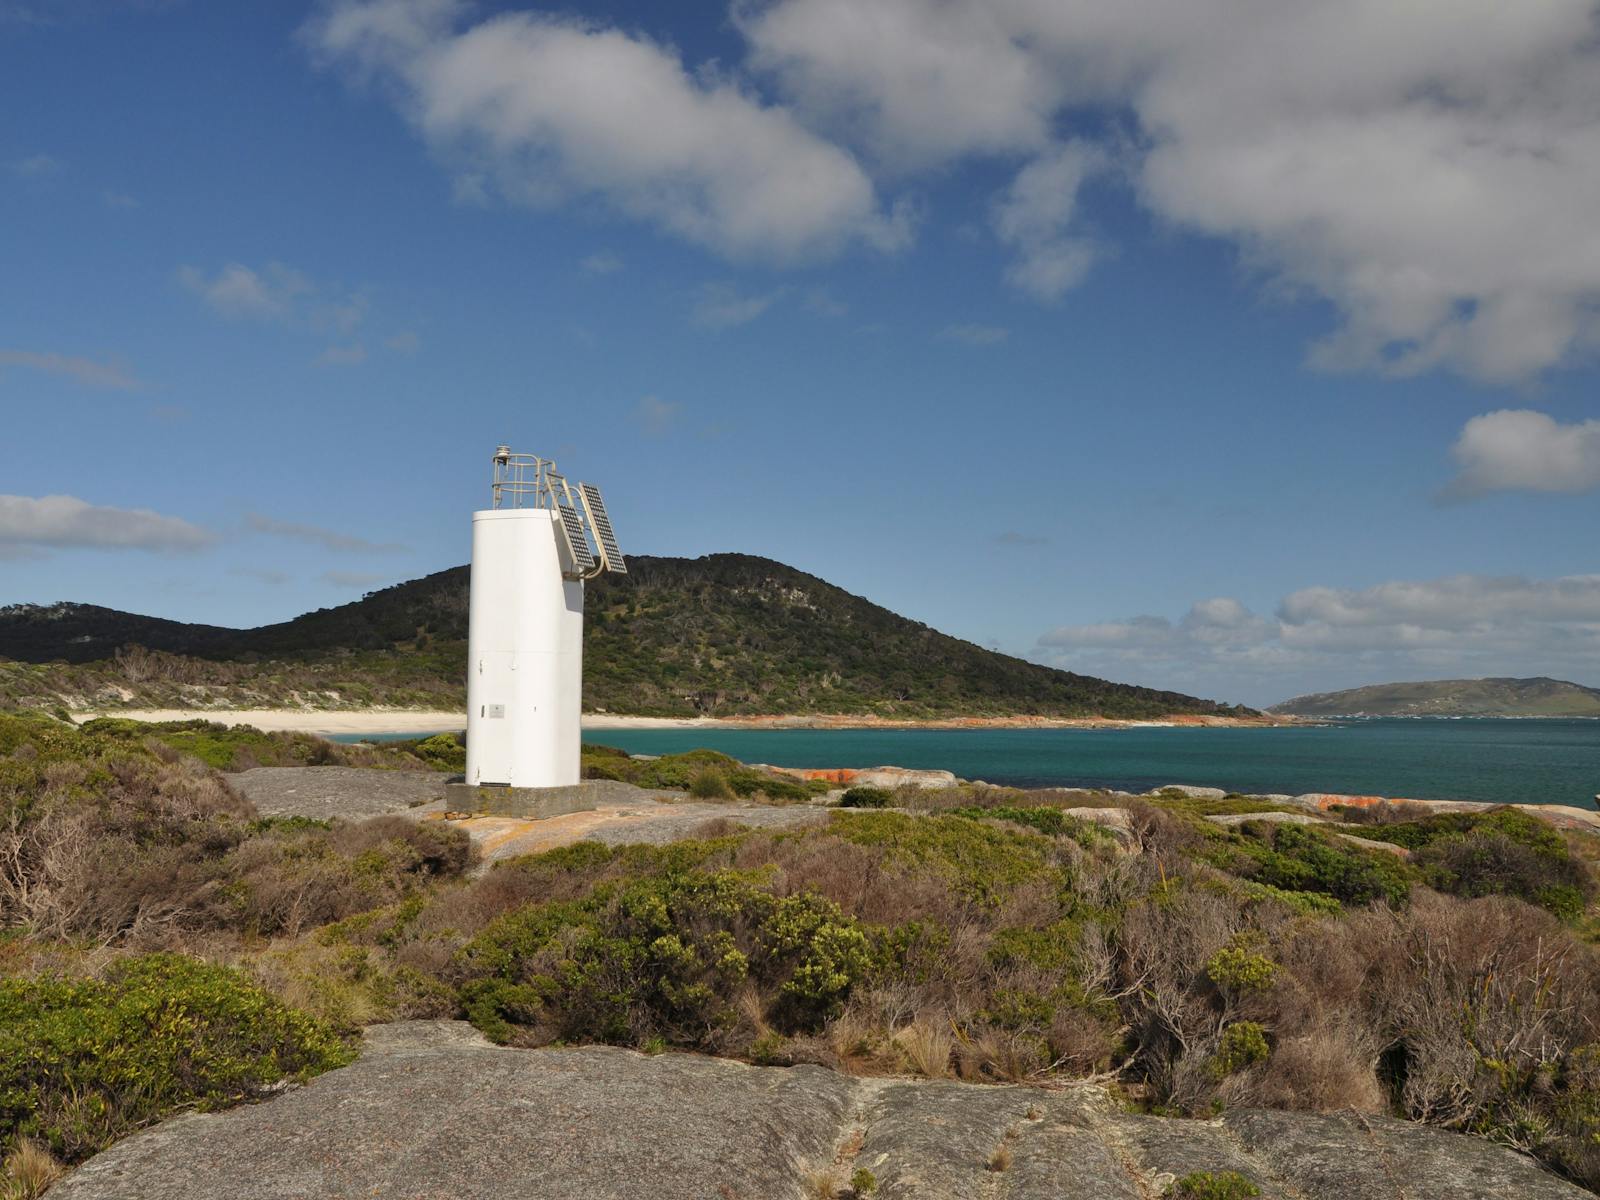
column 1544, row 761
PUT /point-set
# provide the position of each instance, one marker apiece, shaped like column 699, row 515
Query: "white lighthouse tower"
column 531, row 552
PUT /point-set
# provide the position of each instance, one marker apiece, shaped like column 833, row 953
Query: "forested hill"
column 1538, row 697
column 725, row 634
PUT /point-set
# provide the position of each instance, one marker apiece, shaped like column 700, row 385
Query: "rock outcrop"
column 432, row 1110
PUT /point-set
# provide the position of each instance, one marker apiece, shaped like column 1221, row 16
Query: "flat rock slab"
column 432, row 1110
column 327, row 792
column 622, row 813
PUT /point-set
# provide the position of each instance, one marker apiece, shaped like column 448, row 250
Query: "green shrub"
column 1241, row 966
column 866, row 796
column 1209, row 1185
column 1243, row 1044
column 664, row 956
column 980, row 860
column 85, row 1061
column 708, row 783
column 1045, row 819
column 1297, row 858
column 442, row 751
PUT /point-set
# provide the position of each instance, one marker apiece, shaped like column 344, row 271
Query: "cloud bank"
column 1428, row 170
column 1325, row 638
column 553, row 108
column 31, row 524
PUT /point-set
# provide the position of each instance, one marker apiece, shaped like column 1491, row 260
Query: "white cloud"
column 36, row 166
column 602, row 262
column 552, row 108
column 113, row 199
column 975, row 335
column 318, row 536
column 655, row 416
column 83, row 370
column 1428, row 169
column 66, row 522
column 1522, row 450
column 238, row 291
column 916, row 83
column 277, row 293
column 1325, row 638
column 406, row 342
column 721, row 306
column 1035, row 215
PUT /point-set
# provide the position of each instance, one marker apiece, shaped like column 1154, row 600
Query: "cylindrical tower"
column 524, row 653
column 530, row 555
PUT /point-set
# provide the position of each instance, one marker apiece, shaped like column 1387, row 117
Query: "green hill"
column 1539, row 697
column 723, row 635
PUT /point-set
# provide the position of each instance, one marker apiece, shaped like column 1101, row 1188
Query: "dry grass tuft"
column 28, row 1170
column 926, row 1046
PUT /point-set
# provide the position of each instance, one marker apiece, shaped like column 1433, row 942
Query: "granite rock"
column 432, row 1110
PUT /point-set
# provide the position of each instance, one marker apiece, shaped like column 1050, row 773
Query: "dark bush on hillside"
column 865, row 796
column 86, row 1061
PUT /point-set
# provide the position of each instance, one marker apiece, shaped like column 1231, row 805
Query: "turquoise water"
column 1508, row 762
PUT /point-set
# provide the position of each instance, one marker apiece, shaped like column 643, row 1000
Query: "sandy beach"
column 419, row 721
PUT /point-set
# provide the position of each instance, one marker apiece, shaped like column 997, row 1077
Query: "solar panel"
column 577, row 540
column 595, row 507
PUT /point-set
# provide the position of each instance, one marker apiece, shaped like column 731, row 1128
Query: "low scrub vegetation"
column 1435, row 969
column 84, row 1061
column 704, row 774
column 240, row 747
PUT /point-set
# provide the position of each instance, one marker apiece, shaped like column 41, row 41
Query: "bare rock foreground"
column 433, row 1111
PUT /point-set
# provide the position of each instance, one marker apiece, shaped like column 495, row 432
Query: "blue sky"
column 1060, row 328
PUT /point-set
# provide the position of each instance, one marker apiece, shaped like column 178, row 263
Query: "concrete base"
column 532, row 803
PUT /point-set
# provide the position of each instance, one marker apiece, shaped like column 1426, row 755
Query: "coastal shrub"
column 1298, row 858
column 679, row 772
column 241, row 747
column 1242, row 1045
column 442, row 751
column 865, row 796
column 1505, row 851
column 85, row 1061
column 668, row 956
column 1048, row 820
column 979, row 860
column 1212, row 1185
column 127, row 842
column 708, row 783
column 1240, row 966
